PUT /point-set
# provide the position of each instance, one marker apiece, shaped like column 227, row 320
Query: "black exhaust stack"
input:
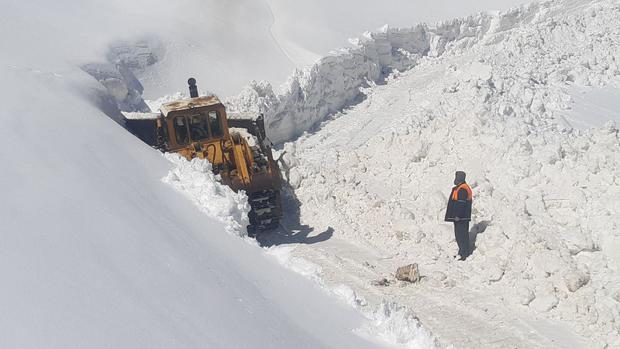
column 193, row 90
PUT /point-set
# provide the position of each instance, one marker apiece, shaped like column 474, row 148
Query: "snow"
column 336, row 21
column 224, row 44
column 251, row 139
column 96, row 250
column 106, row 243
column 156, row 104
column 593, row 107
column 140, row 115
column 488, row 94
column 196, row 180
column 336, row 81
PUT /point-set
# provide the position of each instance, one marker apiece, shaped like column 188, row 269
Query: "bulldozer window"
column 180, row 130
column 198, row 127
column 214, row 123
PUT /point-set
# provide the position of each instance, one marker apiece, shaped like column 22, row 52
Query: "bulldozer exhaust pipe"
column 193, row 89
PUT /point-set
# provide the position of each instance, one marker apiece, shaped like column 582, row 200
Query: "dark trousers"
column 461, row 233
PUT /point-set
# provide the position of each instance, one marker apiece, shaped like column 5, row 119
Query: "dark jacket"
column 459, row 203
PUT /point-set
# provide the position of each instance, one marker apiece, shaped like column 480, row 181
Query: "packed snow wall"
column 335, row 81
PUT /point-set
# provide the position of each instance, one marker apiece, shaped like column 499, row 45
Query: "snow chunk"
column 251, row 139
column 397, row 324
column 544, row 303
column 347, row 294
column 196, row 180
column 575, row 280
column 526, row 296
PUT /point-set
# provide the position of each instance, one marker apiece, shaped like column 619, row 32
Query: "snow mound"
column 196, row 180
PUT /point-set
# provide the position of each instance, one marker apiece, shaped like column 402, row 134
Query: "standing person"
column 459, row 212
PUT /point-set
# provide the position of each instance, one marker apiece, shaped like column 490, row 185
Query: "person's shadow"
column 476, row 229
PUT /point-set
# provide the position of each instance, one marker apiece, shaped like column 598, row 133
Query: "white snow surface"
column 487, row 94
column 593, row 106
column 336, row 21
column 96, row 251
column 224, row 44
column 392, row 323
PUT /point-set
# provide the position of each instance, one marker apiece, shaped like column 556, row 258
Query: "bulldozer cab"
column 200, row 119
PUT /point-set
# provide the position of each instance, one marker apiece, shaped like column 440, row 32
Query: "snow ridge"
column 312, row 94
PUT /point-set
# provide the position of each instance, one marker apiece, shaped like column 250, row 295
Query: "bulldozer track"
column 265, row 213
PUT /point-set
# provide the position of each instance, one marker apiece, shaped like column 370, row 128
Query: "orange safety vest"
column 455, row 192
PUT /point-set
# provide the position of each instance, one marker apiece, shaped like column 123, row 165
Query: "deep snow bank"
column 335, row 81
column 547, row 203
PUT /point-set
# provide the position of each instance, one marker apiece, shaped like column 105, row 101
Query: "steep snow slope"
column 486, row 94
column 97, row 252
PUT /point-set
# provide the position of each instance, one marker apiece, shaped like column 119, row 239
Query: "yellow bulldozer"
column 238, row 149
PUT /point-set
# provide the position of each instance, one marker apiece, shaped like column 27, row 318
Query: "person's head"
column 459, row 177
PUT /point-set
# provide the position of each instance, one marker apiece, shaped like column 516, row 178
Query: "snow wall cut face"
column 335, row 81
